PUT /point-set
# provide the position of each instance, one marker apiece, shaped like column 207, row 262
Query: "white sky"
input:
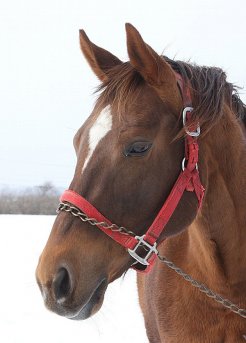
column 46, row 85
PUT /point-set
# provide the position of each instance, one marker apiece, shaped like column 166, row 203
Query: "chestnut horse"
column 129, row 156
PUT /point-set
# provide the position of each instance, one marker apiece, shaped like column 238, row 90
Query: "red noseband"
column 188, row 180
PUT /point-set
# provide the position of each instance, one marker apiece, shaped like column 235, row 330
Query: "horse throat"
column 220, row 227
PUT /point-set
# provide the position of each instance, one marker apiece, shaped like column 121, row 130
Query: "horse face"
column 127, row 163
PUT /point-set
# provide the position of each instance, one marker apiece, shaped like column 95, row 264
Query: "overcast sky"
column 46, row 85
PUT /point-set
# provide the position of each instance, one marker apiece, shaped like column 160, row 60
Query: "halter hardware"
column 183, row 164
column 195, row 133
column 149, row 249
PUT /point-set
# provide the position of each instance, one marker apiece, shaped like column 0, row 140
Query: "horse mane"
column 211, row 91
column 209, row 86
column 123, row 83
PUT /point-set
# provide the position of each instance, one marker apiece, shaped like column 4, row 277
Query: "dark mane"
column 122, row 86
column 209, row 86
column 211, row 89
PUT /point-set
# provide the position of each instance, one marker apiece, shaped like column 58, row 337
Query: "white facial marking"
column 99, row 129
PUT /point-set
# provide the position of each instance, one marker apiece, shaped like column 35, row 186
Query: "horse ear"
column 100, row 60
column 153, row 68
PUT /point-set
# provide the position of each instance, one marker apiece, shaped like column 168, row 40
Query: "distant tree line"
column 41, row 199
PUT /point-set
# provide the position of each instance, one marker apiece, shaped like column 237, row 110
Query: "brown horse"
column 129, row 155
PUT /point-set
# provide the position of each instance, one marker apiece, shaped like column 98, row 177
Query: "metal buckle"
column 190, row 133
column 151, row 250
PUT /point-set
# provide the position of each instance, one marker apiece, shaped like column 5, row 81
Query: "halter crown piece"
column 143, row 249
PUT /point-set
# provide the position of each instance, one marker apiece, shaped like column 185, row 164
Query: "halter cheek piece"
column 143, row 249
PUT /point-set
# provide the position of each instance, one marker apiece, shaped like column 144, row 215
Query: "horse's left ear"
column 153, row 68
column 99, row 59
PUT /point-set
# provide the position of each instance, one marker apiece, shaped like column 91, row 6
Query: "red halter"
column 188, row 180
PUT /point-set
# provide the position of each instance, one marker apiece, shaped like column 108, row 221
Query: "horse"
column 163, row 156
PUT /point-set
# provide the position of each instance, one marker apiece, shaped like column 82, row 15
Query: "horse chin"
column 94, row 303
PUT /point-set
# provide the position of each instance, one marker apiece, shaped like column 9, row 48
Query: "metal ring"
column 190, row 133
column 183, row 164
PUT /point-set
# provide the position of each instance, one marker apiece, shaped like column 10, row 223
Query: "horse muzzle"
column 71, row 299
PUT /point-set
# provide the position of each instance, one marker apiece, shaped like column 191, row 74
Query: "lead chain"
column 115, row 228
column 77, row 213
column 203, row 288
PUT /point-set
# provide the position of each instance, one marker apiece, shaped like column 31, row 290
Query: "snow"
column 23, row 317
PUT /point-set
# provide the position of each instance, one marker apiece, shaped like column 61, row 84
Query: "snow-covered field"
column 23, row 317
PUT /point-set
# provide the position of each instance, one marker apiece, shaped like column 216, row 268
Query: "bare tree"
column 42, row 199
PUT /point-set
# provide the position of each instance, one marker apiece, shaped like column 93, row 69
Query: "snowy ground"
column 23, row 318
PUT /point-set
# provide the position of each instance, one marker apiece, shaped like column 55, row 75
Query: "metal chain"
column 203, row 288
column 77, row 213
column 113, row 227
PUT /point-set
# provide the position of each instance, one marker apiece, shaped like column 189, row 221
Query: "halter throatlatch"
column 143, row 249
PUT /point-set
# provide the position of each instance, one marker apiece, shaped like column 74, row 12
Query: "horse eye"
column 137, row 149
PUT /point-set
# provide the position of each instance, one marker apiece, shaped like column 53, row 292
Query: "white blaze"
column 99, row 129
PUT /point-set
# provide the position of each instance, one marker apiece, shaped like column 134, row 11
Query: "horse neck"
column 219, row 229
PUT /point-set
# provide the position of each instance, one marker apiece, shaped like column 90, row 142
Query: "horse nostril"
column 62, row 285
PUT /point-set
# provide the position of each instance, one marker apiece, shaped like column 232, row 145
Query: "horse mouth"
column 93, row 304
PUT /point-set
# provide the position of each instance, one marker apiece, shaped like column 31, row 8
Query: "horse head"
column 128, row 159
